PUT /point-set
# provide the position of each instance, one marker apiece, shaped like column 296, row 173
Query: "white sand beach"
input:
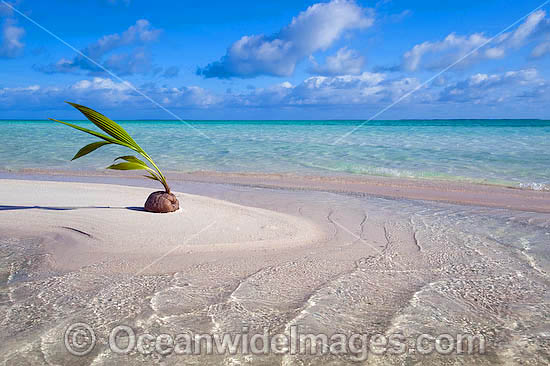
column 242, row 257
column 110, row 221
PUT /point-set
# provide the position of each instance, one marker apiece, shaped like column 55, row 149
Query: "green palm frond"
column 118, row 136
column 89, row 148
column 131, row 159
column 107, row 125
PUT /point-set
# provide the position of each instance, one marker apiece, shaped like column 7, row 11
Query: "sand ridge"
column 107, row 220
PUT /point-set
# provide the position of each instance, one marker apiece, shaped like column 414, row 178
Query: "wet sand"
column 359, row 262
column 462, row 193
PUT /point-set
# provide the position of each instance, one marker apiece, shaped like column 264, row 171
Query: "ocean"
column 504, row 152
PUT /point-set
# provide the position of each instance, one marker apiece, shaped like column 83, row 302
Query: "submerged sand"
column 268, row 258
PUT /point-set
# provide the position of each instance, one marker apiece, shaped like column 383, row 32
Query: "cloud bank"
column 492, row 88
column 366, row 91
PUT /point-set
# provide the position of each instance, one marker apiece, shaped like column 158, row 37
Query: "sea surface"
column 508, row 152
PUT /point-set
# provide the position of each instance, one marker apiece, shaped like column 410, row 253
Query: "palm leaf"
column 131, row 159
column 128, row 166
column 152, row 177
column 92, row 132
column 89, row 148
column 116, row 135
column 107, row 125
column 133, row 163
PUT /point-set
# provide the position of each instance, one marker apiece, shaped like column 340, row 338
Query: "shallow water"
column 384, row 267
column 512, row 152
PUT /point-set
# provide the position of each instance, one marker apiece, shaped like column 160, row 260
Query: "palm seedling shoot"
column 161, row 201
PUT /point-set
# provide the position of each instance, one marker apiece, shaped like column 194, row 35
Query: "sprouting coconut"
column 161, row 201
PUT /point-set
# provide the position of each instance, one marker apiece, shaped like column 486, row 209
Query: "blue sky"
column 339, row 59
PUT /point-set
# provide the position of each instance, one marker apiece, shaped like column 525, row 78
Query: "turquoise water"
column 515, row 152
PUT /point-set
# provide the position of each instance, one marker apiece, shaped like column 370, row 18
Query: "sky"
column 285, row 59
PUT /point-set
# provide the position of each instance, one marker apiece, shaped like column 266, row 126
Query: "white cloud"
column 10, row 43
column 439, row 54
column 137, row 60
column 314, row 29
column 141, row 32
column 186, row 96
column 101, row 92
column 449, row 50
column 541, row 50
column 513, row 88
column 525, row 30
column 98, row 83
column 364, row 89
column 344, row 62
column 491, row 88
column 396, row 18
column 372, row 91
